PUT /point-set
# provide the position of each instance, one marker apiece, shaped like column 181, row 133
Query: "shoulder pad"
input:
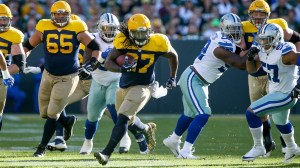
column 281, row 22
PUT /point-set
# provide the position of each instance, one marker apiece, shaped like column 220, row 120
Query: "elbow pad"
column 295, row 37
column 28, row 45
column 20, row 61
column 93, row 45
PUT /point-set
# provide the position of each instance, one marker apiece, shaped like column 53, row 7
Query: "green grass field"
column 222, row 143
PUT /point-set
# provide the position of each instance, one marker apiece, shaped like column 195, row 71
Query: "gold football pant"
column 131, row 100
column 3, row 92
column 54, row 93
column 258, row 87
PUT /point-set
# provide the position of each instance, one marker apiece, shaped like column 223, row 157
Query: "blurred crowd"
column 179, row 19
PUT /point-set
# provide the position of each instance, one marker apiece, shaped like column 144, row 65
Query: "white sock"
column 59, row 137
column 146, row 127
column 175, row 136
column 257, row 135
column 289, row 140
column 187, row 146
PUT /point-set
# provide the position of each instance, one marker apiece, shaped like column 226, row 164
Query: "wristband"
column 5, row 74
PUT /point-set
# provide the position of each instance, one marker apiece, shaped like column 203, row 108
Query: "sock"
column 285, row 129
column 175, row 136
column 141, row 140
column 182, row 124
column 140, row 124
column 113, row 112
column 63, row 119
column 253, row 120
column 282, row 142
column 196, row 127
column 49, row 129
column 59, row 128
column 187, row 146
column 118, row 132
column 90, row 129
column 267, row 131
column 289, row 140
column 257, row 136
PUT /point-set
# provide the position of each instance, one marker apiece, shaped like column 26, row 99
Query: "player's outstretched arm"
column 230, row 58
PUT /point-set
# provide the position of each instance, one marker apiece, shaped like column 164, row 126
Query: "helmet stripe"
column 265, row 27
column 233, row 17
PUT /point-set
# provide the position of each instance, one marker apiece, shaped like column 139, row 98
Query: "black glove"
column 171, row 83
column 253, row 51
column 86, row 69
column 296, row 91
column 128, row 67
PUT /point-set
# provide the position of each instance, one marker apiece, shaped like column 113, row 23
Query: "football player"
column 219, row 53
column 259, row 12
column 10, row 43
column 104, row 84
column 137, row 78
column 81, row 91
column 102, row 93
column 61, row 37
column 280, row 60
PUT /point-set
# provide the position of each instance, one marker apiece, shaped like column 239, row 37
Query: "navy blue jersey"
column 61, row 46
column 146, row 57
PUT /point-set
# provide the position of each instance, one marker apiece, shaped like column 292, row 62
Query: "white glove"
column 34, row 70
column 159, row 91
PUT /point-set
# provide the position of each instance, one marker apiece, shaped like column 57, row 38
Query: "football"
column 121, row 59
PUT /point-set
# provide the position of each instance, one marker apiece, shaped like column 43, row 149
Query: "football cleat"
column 57, row 144
column 144, row 152
column 186, row 154
column 255, row 152
column 290, row 154
column 269, row 148
column 102, row 159
column 150, row 136
column 40, row 151
column 125, row 144
column 87, row 147
column 68, row 131
column 173, row 145
column 283, row 150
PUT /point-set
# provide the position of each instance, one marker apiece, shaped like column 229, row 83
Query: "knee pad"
column 285, row 129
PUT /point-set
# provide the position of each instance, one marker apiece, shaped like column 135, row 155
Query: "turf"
column 221, row 144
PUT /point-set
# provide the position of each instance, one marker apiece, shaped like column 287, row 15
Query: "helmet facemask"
column 60, row 18
column 233, row 32
column 269, row 36
column 108, row 27
column 5, row 23
column 258, row 20
column 140, row 36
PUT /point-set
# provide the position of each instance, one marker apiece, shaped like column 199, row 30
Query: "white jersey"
column 207, row 64
column 282, row 77
column 101, row 75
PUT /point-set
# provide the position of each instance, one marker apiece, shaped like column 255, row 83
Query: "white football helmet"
column 230, row 26
column 107, row 26
column 269, row 36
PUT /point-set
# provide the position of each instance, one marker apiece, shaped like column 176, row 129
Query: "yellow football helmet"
column 262, row 7
column 5, row 18
column 139, row 28
column 60, row 13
